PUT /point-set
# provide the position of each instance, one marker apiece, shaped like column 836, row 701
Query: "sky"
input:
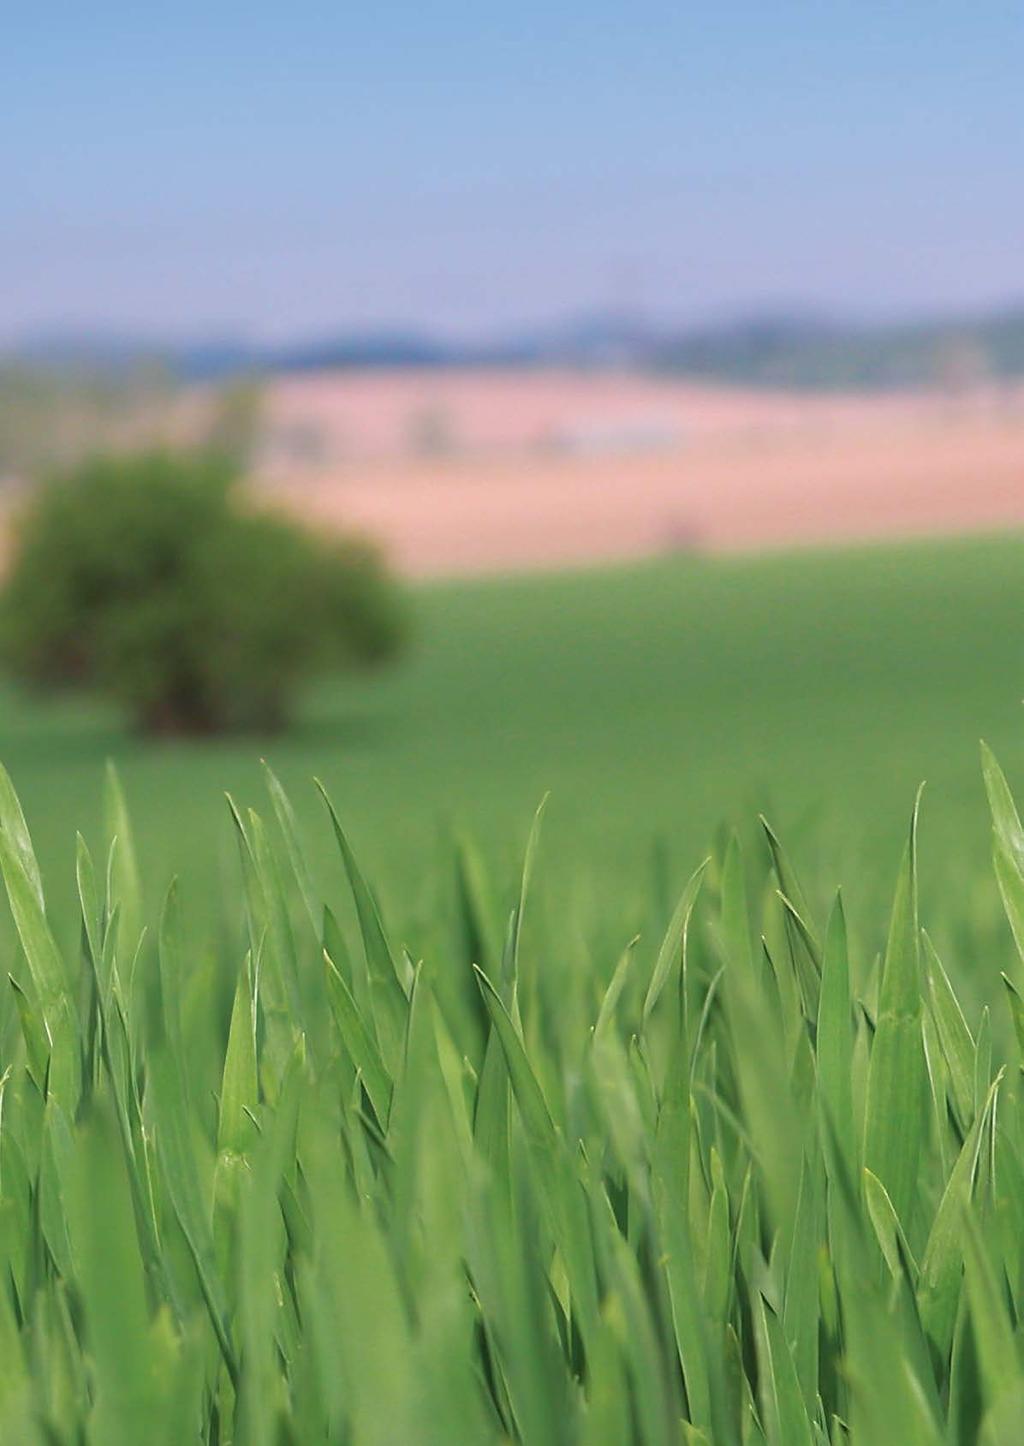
column 290, row 168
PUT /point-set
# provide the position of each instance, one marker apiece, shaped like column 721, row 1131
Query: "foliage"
column 742, row 1186
column 147, row 577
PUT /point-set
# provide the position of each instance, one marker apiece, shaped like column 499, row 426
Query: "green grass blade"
column 50, row 978
column 12, row 823
column 673, row 945
column 126, row 1409
column 612, row 995
column 782, row 1407
column 359, row 1043
column 999, row 1355
column 536, row 1116
column 942, row 1262
column 288, row 824
column 896, row 1121
column 176, row 1153
column 1016, row 1004
column 835, row 1037
column 957, row 1042
column 888, row 1230
column 239, row 1089
column 1005, row 820
column 127, row 882
column 389, row 982
column 511, row 961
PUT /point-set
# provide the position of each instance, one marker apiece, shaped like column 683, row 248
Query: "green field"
column 269, row 1178
column 655, row 703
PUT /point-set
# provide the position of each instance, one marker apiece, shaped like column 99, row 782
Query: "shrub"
column 148, row 578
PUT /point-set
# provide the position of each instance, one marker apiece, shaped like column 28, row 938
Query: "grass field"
column 754, row 1180
column 655, row 703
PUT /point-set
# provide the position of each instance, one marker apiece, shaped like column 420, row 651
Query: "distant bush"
column 148, row 578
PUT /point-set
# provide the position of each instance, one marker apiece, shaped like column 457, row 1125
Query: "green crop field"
column 459, row 1158
column 654, row 704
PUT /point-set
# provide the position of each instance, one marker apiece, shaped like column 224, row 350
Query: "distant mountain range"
column 785, row 350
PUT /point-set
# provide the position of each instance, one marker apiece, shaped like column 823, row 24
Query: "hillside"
column 777, row 349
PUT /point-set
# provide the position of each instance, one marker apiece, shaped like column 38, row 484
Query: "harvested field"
column 461, row 473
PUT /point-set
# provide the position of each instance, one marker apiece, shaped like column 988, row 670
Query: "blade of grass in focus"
column 283, row 1183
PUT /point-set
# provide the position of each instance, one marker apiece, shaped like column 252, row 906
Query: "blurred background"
column 669, row 358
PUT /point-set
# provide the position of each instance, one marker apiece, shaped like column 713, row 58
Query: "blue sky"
column 295, row 167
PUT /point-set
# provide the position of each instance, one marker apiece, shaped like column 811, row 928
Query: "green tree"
column 151, row 578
